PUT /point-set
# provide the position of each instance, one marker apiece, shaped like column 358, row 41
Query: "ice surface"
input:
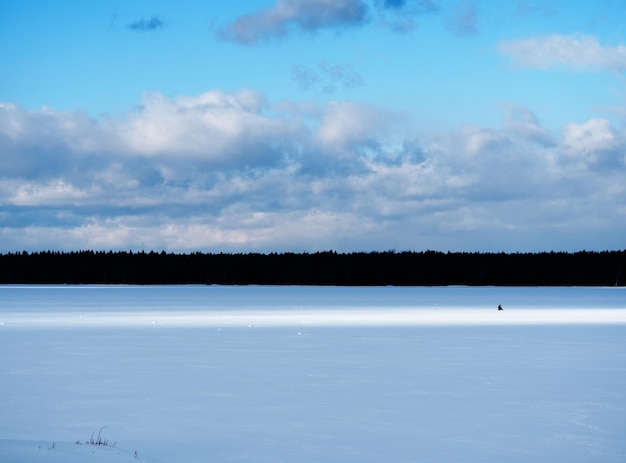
column 302, row 374
column 13, row 451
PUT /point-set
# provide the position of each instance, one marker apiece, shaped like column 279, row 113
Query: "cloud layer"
column 233, row 171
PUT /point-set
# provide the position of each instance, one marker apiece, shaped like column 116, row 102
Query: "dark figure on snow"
column 500, row 307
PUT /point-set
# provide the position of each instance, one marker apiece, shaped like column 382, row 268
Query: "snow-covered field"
column 305, row 374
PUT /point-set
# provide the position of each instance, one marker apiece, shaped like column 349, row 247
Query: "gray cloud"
column 146, row 24
column 231, row 171
column 288, row 15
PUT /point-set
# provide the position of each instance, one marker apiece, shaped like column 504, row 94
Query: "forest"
column 426, row 268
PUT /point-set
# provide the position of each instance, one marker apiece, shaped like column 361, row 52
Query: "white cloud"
column 591, row 136
column 578, row 51
column 346, row 123
column 214, row 126
column 235, row 172
column 594, row 143
column 50, row 193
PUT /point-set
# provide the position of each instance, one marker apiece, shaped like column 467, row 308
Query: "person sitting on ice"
column 500, row 307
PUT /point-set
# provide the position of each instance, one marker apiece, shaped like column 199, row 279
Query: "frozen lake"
column 308, row 374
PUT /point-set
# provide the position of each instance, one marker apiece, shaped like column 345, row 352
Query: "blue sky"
column 285, row 125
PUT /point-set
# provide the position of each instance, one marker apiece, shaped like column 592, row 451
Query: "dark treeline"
column 428, row 268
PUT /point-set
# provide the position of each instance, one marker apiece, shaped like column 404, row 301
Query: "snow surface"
column 307, row 374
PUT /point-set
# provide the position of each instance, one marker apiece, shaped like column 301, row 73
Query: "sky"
column 311, row 125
